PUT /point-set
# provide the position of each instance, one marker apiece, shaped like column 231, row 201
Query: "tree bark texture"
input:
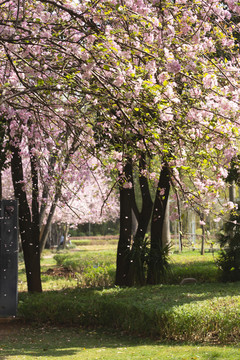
column 136, row 271
column 159, row 209
column 124, row 243
column 29, row 226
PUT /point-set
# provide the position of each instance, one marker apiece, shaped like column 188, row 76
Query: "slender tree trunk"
column 46, row 229
column 65, row 233
column 203, row 237
column 0, row 184
column 35, row 195
column 43, row 207
column 45, row 192
column 29, row 230
column 155, row 265
column 166, row 235
column 124, row 243
column 180, row 227
column 193, row 229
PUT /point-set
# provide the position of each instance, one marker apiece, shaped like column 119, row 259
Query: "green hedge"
column 168, row 312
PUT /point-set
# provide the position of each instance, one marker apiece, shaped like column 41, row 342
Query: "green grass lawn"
column 76, row 343
column 91, row 263
column 192, row 264
column 199, row 321
column 204, row 312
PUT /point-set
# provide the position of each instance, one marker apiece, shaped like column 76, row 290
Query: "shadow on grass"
column 49, row 342
column 73, row 306
column 156, row 311
column 170, row 295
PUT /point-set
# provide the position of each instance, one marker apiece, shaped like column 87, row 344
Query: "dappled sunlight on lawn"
column 72, row 344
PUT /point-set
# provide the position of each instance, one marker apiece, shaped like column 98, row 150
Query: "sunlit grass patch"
column 192, row 264
column 95, row 266
column 80, row 296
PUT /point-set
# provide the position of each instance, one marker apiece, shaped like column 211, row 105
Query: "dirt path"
column 10, row 326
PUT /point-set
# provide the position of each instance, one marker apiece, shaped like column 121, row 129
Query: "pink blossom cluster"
column 114, row 79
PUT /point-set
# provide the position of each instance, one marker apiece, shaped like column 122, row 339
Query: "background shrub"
column 228, row 260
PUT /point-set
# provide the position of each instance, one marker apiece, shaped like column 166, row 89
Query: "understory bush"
column 228, row 260
column 96, row 276
column 98, row 269
column 90, row 269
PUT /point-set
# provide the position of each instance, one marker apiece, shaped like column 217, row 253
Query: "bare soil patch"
column 59, row 271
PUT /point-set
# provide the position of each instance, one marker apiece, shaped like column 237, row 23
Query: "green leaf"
column 106, row 67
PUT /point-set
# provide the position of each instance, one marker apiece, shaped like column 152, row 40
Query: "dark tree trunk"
column 0, row 184
column 29, row 229
column 155, row 265
column 147, row 204
column 35, row 194
column 124, row 243
column 136, row 273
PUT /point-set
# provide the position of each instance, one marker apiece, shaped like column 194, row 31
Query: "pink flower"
column 173, row 66
column 223, row 172
column 127, row 185
column 118, row 156
column 230, row 205
column 162, row 77
column 162, row 192
column 209, row 81
column 119, row 80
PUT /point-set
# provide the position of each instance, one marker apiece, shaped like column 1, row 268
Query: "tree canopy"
column 123, row 82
